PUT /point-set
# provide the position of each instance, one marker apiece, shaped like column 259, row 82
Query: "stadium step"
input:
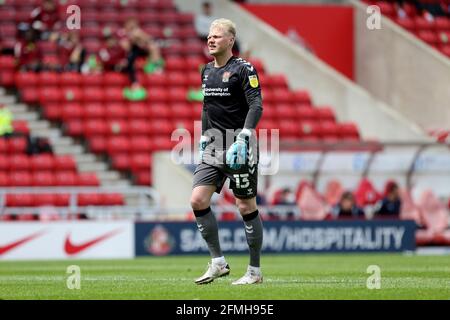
column 7, row 99
column 27, row 116
column 84, row 158
column 17, row 108
column 69, row 150
column 105, row 176
column 38, row 125
column 92, row 167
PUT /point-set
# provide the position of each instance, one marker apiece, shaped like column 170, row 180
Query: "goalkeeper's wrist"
column 244, row 134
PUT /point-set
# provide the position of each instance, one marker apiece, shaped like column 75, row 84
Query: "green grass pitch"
column 285, row 277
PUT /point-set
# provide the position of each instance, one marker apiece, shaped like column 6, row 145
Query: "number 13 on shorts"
column 241, row 180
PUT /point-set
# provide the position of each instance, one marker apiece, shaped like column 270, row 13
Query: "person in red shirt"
column 45, row 18
column 111, row 55
column 71, row 52
column 27, row 52
column 137, row 43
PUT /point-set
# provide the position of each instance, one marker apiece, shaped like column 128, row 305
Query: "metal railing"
column 148, row 201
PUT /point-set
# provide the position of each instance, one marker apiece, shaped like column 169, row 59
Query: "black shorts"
column 244, row 182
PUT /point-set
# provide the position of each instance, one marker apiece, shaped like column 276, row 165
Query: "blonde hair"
column 225, row 24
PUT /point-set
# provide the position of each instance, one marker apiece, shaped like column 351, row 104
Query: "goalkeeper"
column 232, row 108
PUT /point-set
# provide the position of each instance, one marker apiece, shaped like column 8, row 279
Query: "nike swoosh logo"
column 8, row 247
column 72, row 249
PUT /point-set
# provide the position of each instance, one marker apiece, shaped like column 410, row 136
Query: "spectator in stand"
column 6, row 118
column 37, row 145
column 347, row 208
column 27, row 52
column 285, row 198
column 45, row 19
column 72, row 55
column 111, row 55
column 391, row 203
column 137, row 43
column 203, row 21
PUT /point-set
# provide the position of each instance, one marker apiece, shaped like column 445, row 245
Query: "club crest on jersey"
column 226, row 76
column 254, row 83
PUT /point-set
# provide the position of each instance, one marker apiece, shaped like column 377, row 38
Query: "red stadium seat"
column 283, row 111
column 74, row 127
column 159, row 111
column 115, row 79
column 19, row 162
column 112, row 199
column 64, row 163
column 366, row 194
column 72, row 111
column 113, row 94
column 116, row 111
column 94, row 111
column 45, row 199
column 42, row 162
column 89, row 199
column 50, row 94
column 48, row 79
column 140, row 161
column 325, row 114
column 26, row 79
column 95, row 127
column 30, row 95
column 21, row 126
column 155, row 80
column 17, row 145
column 433, row 212
column 141, row 144
column 158, row 94
column 143, row 178
column 20, row 178
column 4, row 179
column 117, row 127
column 118, row 145
column 43, row 178
column 88, row 179
column 311, row 205
column 333, row 192
column 138, row 127
column 98, row 144
column 138, row 110
column 301, row 97
column 19, row 200
column 423, row 24
column 406, row 23
column 409, row 210
column 121, row 161
column 66, row 178
column 92, row 80
column 161, row 127
column 177, row 79
column 180, row 111
column 70, row 79
column 53, row 111
column 94, row 94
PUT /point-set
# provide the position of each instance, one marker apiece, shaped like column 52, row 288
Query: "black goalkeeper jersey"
column 232, row 96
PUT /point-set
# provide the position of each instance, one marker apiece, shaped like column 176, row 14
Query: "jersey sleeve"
column 252, row 91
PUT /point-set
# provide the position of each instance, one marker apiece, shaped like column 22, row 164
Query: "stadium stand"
column 429, row 20
column 92, row 106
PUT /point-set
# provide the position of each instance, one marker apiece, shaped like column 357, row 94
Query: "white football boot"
column 252, row 276
column 214, row 271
